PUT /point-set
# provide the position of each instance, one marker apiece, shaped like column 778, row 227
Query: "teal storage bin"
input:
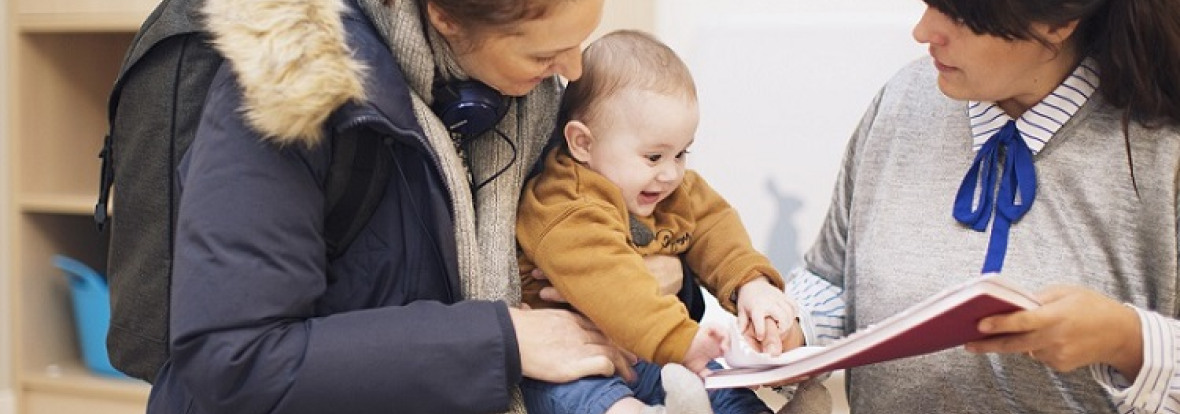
column 92, row 313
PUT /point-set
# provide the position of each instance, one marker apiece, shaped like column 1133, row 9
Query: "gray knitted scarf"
column 485, row 222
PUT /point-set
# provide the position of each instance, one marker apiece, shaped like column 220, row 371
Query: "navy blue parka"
column 257, row 327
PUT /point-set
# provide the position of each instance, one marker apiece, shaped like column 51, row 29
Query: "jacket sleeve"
column 250, row 267
column 722, row 253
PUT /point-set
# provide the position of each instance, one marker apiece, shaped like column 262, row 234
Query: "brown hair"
column 625, row 60
column 1136, row 44
column 491, row 14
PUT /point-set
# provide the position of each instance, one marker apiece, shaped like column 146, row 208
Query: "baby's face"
column 641, row 145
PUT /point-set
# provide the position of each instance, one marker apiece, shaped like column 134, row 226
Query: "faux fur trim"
column 291, row 60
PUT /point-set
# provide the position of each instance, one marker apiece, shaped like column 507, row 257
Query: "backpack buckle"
column 106, row 179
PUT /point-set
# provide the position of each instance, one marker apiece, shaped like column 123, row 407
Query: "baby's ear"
column 579, row 140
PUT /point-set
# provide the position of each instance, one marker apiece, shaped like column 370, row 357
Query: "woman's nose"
column 925, row 31
column 569, row 64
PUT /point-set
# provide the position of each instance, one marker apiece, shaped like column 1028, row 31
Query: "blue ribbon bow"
column 1018, row 177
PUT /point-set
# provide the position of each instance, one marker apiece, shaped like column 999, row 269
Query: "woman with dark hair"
column 1040, row 141
column 419, row 314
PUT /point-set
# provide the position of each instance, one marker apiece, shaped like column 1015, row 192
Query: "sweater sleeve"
column 722, row 254
column 828, row 255
column 585, row 253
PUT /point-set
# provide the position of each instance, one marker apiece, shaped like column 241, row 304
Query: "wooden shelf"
column 63, row 58
column 79, row 22
column 68, row 8
column 71, row 389
column 71, row 378
column 69, row 204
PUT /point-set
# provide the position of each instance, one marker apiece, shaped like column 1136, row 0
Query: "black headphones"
column 468, row 108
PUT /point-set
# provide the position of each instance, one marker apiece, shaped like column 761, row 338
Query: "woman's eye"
column 682, row 155
column 544, row 59
column 654, row 157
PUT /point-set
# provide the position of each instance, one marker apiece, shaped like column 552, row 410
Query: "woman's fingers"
column 560, row 346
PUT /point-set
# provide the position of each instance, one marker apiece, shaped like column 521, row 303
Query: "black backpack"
column 154, row 109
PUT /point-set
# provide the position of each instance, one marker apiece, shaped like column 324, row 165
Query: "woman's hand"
column 668, row 271
column 561, row 346
column 766, row 317
column 1074, row 327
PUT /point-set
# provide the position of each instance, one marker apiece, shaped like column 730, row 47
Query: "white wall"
column 782, row 85
column 626, row 14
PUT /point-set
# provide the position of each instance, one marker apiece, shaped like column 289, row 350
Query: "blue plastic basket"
column 92, row 313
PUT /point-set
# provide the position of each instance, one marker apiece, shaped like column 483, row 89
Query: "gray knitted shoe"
column 811, row 397
column 684, row 391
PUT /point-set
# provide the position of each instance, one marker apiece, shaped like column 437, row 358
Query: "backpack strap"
column 357, row 178
column 169, row 18
column 106, row 177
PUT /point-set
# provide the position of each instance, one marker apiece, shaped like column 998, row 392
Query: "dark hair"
column 1136, row 44
column 491, row 14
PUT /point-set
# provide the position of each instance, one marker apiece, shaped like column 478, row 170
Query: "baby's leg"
column 596, row 394
column 631, row 405
column 675, row 387
column 611, row 395
column 735, row 400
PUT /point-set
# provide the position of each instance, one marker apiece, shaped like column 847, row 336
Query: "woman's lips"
column 941, row 67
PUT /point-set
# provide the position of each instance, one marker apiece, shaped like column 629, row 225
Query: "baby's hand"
column 709, row 343
column 766, row 317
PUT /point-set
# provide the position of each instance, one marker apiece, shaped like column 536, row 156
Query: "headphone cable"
column 519, row 131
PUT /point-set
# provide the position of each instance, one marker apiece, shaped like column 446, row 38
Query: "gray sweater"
column 890, row 240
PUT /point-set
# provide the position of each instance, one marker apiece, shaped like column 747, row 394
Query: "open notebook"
column 944, row 320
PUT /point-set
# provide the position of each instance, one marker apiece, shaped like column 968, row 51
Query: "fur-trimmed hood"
column 292, row 61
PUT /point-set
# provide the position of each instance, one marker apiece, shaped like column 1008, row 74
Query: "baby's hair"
column 625, row 60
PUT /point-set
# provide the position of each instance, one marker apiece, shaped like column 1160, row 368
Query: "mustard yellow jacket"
column 573, row 224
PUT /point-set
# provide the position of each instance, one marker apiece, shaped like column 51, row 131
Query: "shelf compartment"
column 73, row 390
column 60, row 111
column 44, row 323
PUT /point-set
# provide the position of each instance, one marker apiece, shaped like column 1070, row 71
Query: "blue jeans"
column 594, row 395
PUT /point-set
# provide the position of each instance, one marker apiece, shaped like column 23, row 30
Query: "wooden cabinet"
column 63, row 57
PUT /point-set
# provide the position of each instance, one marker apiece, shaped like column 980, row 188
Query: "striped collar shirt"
column 1039, row 123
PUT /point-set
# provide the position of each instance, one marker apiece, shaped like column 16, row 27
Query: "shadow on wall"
column 783, row 246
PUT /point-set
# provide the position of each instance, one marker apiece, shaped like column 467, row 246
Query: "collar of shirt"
column 1040, row 122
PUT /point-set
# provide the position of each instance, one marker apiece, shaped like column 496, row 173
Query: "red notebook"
column 945, row 320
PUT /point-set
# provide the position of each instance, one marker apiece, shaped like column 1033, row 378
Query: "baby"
column 618, row 190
